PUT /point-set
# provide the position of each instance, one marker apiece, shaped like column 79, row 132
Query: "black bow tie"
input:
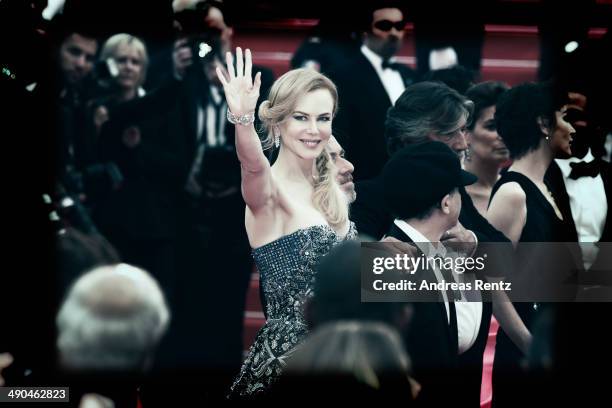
column 583, row 169
column 391, row 65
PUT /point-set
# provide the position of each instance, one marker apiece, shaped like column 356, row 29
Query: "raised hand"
column 241, row 92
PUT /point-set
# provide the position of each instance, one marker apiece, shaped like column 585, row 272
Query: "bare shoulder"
column 511, row 194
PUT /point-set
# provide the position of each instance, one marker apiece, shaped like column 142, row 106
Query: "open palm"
column 241, row 92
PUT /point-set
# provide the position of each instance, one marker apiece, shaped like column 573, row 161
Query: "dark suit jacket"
column 360, row 123
column 153, row 176
column 372, row 218
column 431, row 342
column 433, row 350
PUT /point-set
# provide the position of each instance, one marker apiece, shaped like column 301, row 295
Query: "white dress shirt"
column 391, row 79
column 589, row 205
column 469, row 314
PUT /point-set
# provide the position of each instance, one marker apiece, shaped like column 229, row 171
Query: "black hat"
column 418, row 176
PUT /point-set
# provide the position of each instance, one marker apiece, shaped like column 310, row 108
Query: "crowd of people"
column 182, row 165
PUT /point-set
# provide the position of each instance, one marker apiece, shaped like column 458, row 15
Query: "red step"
column 253, row 316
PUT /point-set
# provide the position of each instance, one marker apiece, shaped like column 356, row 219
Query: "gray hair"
column 423, row 109
column 112, row 319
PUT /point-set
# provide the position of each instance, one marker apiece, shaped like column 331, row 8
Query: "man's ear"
column 445, row 204
column 544, row 125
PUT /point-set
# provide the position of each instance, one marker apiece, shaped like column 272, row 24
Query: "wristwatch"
column 243, row 120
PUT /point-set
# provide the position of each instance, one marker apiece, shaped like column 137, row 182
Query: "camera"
column 204, row 41
column 66, row 211
column 106, row 70
column 103, row 76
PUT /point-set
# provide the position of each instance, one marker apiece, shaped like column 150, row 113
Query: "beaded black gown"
column 287, row 271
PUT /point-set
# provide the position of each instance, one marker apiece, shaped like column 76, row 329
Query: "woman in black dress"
column 532, row 125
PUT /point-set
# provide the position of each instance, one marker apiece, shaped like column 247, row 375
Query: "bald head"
column 112, row 318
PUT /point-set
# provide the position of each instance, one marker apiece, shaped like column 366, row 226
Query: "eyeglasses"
column 386, row 25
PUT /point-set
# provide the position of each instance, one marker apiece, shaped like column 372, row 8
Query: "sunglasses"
column 386, row 25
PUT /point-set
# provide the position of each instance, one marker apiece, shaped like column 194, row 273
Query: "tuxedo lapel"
column 406, row 74
column 397, row 233
column 369, row 78
column 440, row 309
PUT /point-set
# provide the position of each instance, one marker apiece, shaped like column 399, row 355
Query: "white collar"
column 375, row 59
column 421, row 241
column 564, row 164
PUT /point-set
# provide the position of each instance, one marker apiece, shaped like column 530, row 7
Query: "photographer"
column 140, row 216
column 211, row 241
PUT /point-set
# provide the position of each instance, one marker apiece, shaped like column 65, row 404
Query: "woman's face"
column 308, row 128
column 484, row 142
column 561, row 138
column 130, row 64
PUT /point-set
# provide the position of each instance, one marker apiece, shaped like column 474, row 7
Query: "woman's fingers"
column 257, row 82
column 229, row 60
column 221, row 77
column 239, row 63
column 248, row 61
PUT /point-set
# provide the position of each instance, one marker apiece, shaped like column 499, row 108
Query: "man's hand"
column 460, row 240
column 182, row 57
column 6, row 359
column 100, row 117
column 396, row 246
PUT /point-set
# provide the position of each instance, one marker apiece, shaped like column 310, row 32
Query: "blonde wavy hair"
column 328, row 198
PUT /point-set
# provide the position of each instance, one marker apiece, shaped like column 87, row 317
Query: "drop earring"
column 468, row 153
column 277, row 140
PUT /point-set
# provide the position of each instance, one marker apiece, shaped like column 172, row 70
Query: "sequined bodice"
column 287, row 271
column 286, row 268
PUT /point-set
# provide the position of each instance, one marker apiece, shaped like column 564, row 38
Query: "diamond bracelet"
column 243, row 120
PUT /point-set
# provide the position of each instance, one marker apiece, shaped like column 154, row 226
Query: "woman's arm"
column 509, row 320
column 241, row 93
column 508, row 213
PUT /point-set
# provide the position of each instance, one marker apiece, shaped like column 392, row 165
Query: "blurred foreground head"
column 112, row 319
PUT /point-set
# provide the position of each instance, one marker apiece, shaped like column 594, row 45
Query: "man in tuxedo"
column 581, row 184
column 442, row 327
column 368, row 84
column 426, row 111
